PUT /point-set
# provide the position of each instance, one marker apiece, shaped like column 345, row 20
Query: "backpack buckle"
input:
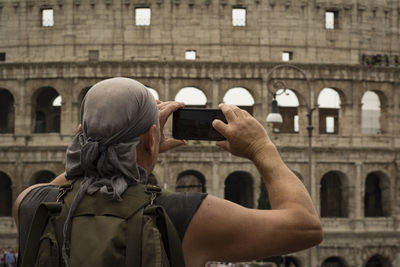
column 154, row 191
column 63, row 190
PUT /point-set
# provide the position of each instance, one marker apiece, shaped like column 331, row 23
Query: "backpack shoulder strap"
column 42, row 215
column 134, row 240
column 170, row 237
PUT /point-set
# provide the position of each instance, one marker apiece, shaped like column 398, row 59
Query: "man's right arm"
column 224, row 231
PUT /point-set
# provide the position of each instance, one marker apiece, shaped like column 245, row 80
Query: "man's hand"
column 165, row 109
column 246, row 137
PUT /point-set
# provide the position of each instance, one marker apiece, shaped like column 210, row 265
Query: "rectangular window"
column 331, row 19
column 296, row 123
column 330, row 124
column 287, row 56
column 143, row 16
column 190, row 54
column 238, row 17
column 47, row 17
column 2, row 56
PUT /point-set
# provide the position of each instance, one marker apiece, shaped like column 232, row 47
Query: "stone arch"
column 5, row 195
column 334, row 194
column 334, row 261
column 329, row 102
column 240, row 97
column 191, row 181
column 290, row 261
column 378, row 260
column 239, row 188
column 46, row 111
column 192, row 97
column 288, row 103
column 6, row 111
column 43, row 176
column 377, row 195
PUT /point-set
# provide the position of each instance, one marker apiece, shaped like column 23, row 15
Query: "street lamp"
column 274, row 116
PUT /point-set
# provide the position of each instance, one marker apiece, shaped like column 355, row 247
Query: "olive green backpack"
column 133, row 232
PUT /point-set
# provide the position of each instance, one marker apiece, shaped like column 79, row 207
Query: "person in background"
column 10, row 258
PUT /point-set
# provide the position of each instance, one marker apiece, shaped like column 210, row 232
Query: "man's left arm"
column 60, row 179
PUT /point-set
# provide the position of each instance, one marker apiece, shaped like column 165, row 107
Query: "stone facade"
column 360, row 55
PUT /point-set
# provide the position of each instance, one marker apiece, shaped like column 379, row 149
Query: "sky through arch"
column 191, row 96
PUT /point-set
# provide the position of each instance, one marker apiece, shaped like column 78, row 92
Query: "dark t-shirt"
column 179, row 206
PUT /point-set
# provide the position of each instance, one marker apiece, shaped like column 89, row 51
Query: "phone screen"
column 196, row 124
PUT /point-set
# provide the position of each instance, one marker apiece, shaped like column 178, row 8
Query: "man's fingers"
column 220, row 127
column 169, row 107
column 228, row 111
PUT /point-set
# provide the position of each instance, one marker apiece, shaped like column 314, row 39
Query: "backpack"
column 133, row 232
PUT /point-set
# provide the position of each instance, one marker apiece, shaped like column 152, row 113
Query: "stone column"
column 165, row 95
column 24, row 119
column 215, row 179
column 215, row 92
column 69, row 122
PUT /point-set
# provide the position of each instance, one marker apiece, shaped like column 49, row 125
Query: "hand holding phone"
column 196, row 124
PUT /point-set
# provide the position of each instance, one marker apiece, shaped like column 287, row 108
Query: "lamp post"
column 276, row 117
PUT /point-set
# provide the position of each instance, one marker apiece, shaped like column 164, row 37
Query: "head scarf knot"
column 114, row 113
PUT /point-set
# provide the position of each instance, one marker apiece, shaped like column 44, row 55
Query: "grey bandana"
column 114, row 113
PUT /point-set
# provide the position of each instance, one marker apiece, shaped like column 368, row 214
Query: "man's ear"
column 149, row 139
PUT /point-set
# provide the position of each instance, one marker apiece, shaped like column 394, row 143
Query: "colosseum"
column 332, row 65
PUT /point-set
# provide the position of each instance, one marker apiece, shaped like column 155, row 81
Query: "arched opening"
column 239, row 188
column 6, row 111
column 154, row 93
column 288, row 107
column 289, row 261
column 377, row 195
column 5, row 195
column 333, row 195
column 333, row 262
column 191, row 181
column 370, row 113
column 151, row 179
column 42, row 177
column 328, row 108
column 378, row 261
column 192, row 97
column 240, row 97
column 47, row 111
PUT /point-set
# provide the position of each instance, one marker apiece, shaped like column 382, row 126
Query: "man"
column 122, row 134
column 9, row 257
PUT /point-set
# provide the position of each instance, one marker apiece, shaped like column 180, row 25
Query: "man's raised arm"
column 224, row 231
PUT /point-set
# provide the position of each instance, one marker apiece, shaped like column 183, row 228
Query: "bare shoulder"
column 19, row 199
column 224, row 231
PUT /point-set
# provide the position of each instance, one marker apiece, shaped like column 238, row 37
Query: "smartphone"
column 196, row 124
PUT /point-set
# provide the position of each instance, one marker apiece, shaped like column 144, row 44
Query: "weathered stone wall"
column 272, row 27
